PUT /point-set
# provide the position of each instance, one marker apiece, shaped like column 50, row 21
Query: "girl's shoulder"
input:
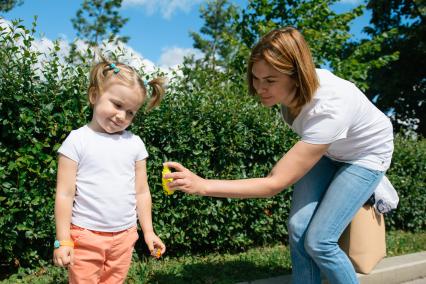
column 134, row 138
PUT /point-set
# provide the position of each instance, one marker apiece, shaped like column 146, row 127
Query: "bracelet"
column 58, row 244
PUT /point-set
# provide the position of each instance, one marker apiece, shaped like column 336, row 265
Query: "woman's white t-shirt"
column 105, row 196
column 339, row 114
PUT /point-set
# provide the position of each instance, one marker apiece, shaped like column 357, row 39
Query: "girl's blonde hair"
column 104, row 72
column 288, row 52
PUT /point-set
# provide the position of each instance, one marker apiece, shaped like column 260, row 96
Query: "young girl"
column 102, row 181
column 346, row 146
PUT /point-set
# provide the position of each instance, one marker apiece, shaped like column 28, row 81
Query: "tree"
column 326, row 31
column 7, row 5
column 98, row 20
column 218, row 16
column 400, row 86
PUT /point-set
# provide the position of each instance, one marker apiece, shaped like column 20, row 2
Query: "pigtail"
column 157, row 92
column 98, row 75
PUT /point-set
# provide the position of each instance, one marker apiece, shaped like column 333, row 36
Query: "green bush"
column 206, row 121
column 40, row 104
column 408, row 175
column 217, row 131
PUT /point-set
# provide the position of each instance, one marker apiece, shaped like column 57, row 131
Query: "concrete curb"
column 397, row 269
column 391, row 270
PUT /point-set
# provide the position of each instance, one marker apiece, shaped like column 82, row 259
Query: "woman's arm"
column 289, row 169
column 65, row 191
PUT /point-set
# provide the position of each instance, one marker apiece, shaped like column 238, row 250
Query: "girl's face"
column 115, row 108
column 272, row 86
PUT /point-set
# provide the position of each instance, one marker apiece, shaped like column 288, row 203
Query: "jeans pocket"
column 365, row 174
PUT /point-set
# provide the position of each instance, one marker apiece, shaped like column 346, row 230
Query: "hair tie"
column 115, row 68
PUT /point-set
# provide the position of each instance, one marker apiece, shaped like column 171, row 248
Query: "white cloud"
column 4, row 23
column 45, row 46
column 131, row 57
column 351, row 2
column 173, row 57
column 165, row 7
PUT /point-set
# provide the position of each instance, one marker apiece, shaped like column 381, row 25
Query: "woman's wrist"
column 205, row 187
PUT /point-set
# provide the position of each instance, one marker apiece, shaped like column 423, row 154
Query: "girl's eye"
column 117, row 105
column 131, row 113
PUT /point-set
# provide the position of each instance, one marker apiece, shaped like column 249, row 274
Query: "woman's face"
column 272, row 86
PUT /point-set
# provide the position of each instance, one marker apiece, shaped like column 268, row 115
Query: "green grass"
column 253, row 264
column 399, row 242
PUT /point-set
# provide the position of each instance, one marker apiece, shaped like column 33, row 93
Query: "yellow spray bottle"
column 166, row 188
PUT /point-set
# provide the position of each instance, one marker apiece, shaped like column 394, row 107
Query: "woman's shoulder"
column 329, row 79
column 332, row 86
column 332, row 96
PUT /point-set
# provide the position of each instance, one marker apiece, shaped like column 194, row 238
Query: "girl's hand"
column 154, row 243
column 63, row 256
column 185, row 180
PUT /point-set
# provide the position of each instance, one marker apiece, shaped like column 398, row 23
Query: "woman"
column 346, row 146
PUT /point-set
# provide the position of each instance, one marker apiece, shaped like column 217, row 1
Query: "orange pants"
column 101, row 257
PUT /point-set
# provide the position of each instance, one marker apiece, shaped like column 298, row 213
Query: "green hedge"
column 216, row 130
column 207, row 121
column 39, row 105
column 408, row 175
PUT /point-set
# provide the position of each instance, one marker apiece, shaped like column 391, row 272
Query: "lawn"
column 253, row 264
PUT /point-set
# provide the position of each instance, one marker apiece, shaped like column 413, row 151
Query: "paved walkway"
column 417, row 281
column 404, row 269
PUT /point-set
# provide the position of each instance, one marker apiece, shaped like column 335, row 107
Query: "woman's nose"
column 261, row 87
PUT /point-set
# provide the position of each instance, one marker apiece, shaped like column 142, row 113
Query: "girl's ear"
column 92, row 96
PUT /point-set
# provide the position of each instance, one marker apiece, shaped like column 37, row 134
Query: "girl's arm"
column 288, row 170
column 144, row 207
column 65, row 191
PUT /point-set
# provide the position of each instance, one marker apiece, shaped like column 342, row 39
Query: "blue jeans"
column 324, row 202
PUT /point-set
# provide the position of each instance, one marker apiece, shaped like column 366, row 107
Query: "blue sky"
column 158, row 29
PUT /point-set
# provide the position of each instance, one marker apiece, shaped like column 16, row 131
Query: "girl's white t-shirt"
column 105, row 197
column 339, row 114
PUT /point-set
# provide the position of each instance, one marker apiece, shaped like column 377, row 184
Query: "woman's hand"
column 185, row 180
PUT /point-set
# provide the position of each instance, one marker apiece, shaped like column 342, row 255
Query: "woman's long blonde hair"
column 287, row 51
column 102, row 73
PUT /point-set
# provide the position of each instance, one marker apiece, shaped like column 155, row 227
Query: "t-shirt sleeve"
column 70, row 147
column 326, row 122
column 142, row 153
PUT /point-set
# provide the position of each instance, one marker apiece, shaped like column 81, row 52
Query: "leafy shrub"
column 219, row 132
column 39, row 106
column 408, row 175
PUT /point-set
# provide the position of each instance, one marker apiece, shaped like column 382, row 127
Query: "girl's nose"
column 121, row 115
